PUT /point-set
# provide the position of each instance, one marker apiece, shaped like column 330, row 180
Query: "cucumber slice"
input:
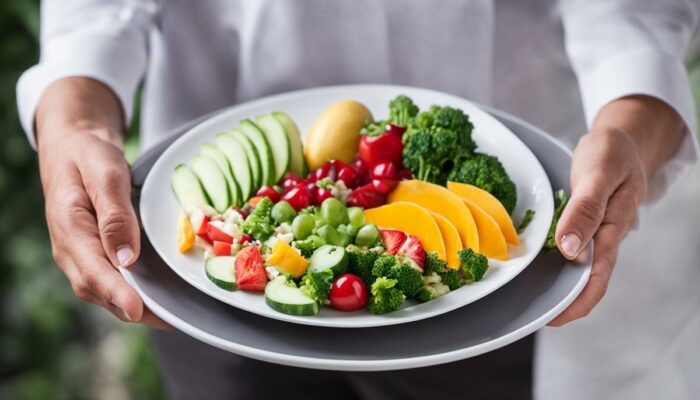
column 222, row 271
column 237, row 158
column 329, row 257
column 253, row 158
column 213, row 182
column 297, row 164
column 279, row 143
column 210, row 150
column 288, row 299
column 188, row 189
column 256, row 135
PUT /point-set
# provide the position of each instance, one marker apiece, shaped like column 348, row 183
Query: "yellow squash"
column 335, row 133
column 185, row 234
column 492, row 243
column 440, row 200
column 412, row 219
column 450, row 235
column 287, row 260
column 490, row 204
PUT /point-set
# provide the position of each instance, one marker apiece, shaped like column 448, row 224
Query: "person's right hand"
column 87, row 189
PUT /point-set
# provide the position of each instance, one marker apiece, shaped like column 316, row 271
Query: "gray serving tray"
column 514, row 311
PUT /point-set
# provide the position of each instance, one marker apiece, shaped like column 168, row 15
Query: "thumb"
column 116, row 219
column 582, row 216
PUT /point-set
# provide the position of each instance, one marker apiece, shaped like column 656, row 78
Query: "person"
column 611, row 68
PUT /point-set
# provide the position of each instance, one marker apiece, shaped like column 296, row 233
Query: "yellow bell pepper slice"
column 287, row 260
column 185, row 234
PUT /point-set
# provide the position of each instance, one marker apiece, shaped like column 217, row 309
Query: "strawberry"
column 250, row 270
column 392, row 240
column 412, row 251
column 222, row 248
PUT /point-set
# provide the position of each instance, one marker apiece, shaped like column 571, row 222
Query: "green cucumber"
column 237, row 157
column 188, row 189
column 253, row 158
column 279, row 144
column 330, row 257
column 221, row 271
column 285, row 297
column 298, row 163
column 256, row 135
column 210, row 150
column 213, row 182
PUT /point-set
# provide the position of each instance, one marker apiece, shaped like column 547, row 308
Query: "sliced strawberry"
column 222, row 248
column 392, row 240
column 200, row 222
column 217, row 235
column 412, row 250
column 250, row 270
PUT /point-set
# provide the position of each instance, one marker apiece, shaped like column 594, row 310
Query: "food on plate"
column 550, row 244
column 439, row 200
column 412, row 219
column 492, row 243
column 490, row 205
column 487, row 172
column 335, row 133
column 357, row 218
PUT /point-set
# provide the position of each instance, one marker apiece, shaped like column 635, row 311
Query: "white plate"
column 159, row 208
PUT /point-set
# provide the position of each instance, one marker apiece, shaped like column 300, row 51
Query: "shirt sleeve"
column 636, row 47
column 104, row 40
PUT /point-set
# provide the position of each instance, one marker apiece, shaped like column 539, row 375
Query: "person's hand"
column 630, row 138
column 87, row 187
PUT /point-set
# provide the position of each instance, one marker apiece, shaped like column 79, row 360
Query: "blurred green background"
column 51, row 345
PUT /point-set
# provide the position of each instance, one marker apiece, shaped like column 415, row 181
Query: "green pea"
column 283, row 212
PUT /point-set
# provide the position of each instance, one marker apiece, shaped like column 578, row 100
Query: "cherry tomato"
column 395, row 129
column 359, row 166
column 321, row 194
column 348, row 293
column 384, row 186
column 366, row 197
column 290, row 179
column 385, row 170
column 349, row 176
column 298, row 197
column 377, row 149
column 269, row 192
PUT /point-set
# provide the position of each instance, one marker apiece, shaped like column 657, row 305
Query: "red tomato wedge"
column 250, row 270
column 222, row 249
column 217, row 235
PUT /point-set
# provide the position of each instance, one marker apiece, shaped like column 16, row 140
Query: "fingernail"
column 124, row 255
column 570, row 244
column 126, row 314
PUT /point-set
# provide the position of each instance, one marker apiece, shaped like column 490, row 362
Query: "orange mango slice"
column 440, row 200
column 450, row 235
column 491, row 240
column 489, row 203
column 412, row 219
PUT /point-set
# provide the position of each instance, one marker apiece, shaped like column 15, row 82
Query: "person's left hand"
column 630, row 139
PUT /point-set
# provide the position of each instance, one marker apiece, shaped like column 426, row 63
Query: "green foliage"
column 385, row 296
column 436, row 141
column 448, row 276
column 259, row 223
column 529, row 214
column 317, row 285
column 361, row 263
column 474, row 265
column 52, row 346
column 486, row 172
column 402, row 110
column 408, row 279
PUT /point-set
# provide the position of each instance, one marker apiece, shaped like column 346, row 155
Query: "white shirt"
column 553, row 63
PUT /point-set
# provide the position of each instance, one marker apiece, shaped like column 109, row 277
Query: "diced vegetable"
column 221, row 271
column 287, row 260
column 283, row 296
column 185, row 234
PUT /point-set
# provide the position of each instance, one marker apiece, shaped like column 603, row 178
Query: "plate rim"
column 313, row 321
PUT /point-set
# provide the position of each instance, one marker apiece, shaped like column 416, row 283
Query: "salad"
column 362, row 214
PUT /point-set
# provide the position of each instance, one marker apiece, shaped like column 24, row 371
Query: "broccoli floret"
column 433, row 287
column 361, row 263
column 408, row 278
column 487, row 172
column 451, row 278
column 385, row 296
column 259, row 224
column 308, row 245
column 435, row 141
column 550, row 244
column 474, row 265
column 434, row 264
column 383, row 265
column 317, row 285
column 402, row 110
